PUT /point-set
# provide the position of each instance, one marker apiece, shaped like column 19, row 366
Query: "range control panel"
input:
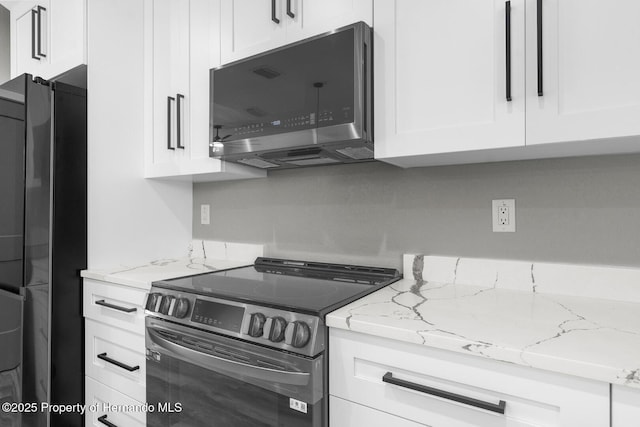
column 282, row 329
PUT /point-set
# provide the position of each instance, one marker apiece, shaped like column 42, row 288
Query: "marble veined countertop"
column 577, row 320
column 201, row 257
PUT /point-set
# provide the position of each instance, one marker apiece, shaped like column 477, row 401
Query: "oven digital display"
column 223, row 316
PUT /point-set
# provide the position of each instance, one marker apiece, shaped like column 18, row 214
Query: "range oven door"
column 197, row 378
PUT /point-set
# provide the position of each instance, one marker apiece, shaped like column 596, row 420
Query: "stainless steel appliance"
column 43, row 247
column 305, row 104
column 247, row 347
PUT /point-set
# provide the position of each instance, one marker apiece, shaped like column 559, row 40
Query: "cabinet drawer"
column 115, row 305
column 116, row 358
column 104, row 399
column 532, row 397
column 625, row 406
column 343, row 413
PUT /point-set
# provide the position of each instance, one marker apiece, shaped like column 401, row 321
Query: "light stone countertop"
column 498, row 310
column 202, row 257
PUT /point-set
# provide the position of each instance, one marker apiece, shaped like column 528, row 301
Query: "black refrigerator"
column 43, row 248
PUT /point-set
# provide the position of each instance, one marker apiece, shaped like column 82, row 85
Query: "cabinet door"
column 170, row 79
column 116, row 357
column 67, row 35
column 590, row 67
column 398, row 378
column 205, row 40
column 312, row 17
column 440, row 78
column 343, row 413
column 625, row 406
column 29, row 38
column 103, row 403
column 247, row 27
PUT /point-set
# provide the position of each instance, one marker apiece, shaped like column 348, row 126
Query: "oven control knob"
column 166, row 304
column 297, row 334
column 274, row 329
column 256, row 324
column 152, row 302
column 180, row 308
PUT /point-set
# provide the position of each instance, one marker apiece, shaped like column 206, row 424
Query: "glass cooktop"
column 301, row 286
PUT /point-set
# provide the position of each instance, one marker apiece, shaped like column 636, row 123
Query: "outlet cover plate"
column 503, row 215
column 204, row 214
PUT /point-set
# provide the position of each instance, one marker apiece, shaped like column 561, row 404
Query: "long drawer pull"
column 116, row 307
column 107, row 359
column 499, row 408
column 103, row 420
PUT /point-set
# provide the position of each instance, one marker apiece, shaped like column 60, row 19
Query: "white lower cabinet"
column 107, row 404
column 114, row 305
column 403, row 381
column 343, row 413
column 115, row 363
column 625, row 406
column 115, row 358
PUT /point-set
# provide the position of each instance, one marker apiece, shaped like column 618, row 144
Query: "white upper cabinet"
column 589, row 68
column 48, row 37
column 249, row 27
column 170, row 81
column 182, row 43
column 312, row 17
column 441, row 76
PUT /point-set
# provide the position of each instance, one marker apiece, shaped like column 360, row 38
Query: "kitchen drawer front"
column 358, row 363
column 120, row 304
column 105, row 399
column 625, row 406
column 343, row 413
column 121, row 347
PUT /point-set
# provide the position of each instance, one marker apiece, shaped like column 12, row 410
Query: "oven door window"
column 195, row 381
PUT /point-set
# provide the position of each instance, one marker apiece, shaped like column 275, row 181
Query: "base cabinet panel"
column 343, row 413
column 365, row 370
column 116, row 358
column 106, row 404
column 625, row 406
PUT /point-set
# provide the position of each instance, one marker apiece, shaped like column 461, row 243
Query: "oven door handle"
column 216, row 363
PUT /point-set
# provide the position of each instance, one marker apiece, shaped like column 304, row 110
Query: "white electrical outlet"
column 504, row 215
column 204, row 214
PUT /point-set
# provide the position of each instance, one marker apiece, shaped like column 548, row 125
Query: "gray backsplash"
column 573, row 210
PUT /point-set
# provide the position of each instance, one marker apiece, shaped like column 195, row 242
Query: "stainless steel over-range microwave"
column 304, row 104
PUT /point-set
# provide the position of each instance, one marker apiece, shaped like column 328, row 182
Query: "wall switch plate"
column 204, row 214
column 503, row 215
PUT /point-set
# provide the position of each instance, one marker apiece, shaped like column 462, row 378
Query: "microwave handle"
column 216, row 363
